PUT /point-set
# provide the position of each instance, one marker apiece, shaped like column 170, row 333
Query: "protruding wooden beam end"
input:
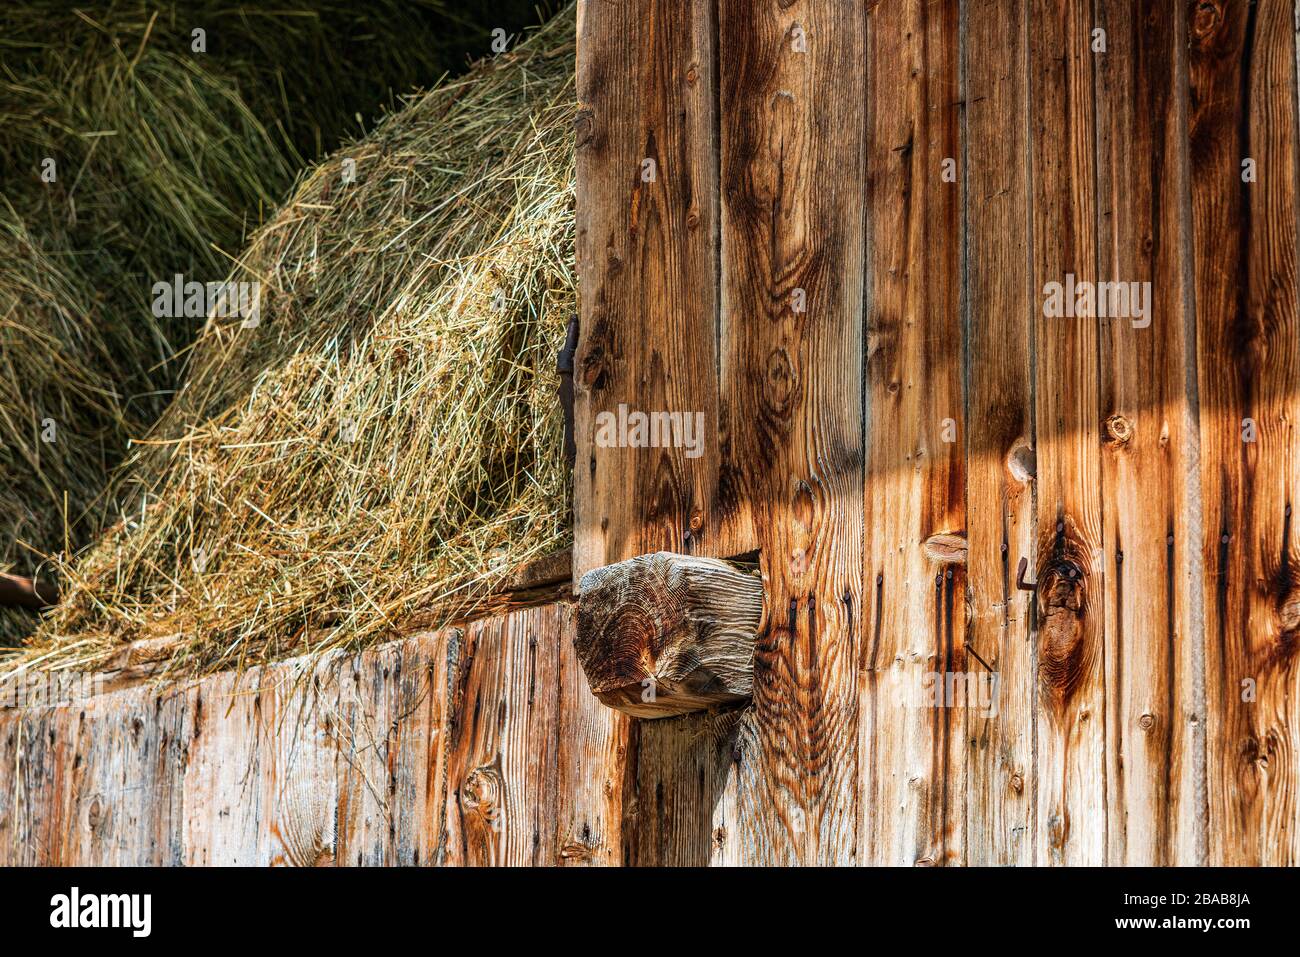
column 665, row 634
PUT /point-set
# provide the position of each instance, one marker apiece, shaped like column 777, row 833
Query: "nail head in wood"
column 666, row 634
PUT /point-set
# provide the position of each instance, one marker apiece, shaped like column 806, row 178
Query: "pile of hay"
column 165, row 161
column 156, row 165
column 313, row 71
column 387, row 438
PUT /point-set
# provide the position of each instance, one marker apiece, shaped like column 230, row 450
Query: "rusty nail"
column 1020, row 576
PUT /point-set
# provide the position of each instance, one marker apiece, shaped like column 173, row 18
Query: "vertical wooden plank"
column 41, row 786
column 392, row 711
column 125, row 793
column 913, row 719
column 646, row 241
column 1000, row 504
column 1071, row 589
column 260, row 785
column 1148, row 442
column 9, row 783
column 792, row 141
column 222, row 785
column 501, row 775
column 595, row 761
column 1243, row 107
column 684, row 813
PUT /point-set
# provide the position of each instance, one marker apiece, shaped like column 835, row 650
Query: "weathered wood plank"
column 260, row 786
column 45, row 746
column 1154, row 742
column 372, row 759
column 126, row 788
column 9, row 768
column 502, row 764
column 999, row 442
column 647, row 240
column 392, row 760
column 664, row 634
column 595, row 761
column 684, row 814
column 16, row 784
column 1243, row 107
column 41, row 753
column 913, row 785
column 792, row 142
column 1070, row 598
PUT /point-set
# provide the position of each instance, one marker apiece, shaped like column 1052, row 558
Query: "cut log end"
column 667, row 634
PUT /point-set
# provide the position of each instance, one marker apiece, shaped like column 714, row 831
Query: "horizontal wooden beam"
column 665, row 634
column 17, row 591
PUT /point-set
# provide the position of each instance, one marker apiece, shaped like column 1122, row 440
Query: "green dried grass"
column 155, row 178
column 379, row 309
column 312, row 71
column 167, row 160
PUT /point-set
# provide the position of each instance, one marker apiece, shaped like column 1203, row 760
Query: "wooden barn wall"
column 478, row 745
column 825, row 227
column 767, row 237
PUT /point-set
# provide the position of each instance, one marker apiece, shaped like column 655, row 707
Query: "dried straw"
column 166, row 161
column 387, row 440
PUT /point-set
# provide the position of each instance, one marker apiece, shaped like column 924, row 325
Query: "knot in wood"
column 1119, row 430
column 481, row 792
column 1065, row 655
column 1206, row 20
column 583, row 128
column 1022, row 463
column 780, row 384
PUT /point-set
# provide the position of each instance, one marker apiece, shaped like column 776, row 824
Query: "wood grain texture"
column 39, row 820
column 501, row 778
column 792, row 167
column 683, row 813
column 393, row 709
column 647, row 261
column 595, row 764
column 9, row 783
column 1154, row 640
column 1243, row 105
column 535, row 765
column 260, row 785
column 1070, row 599
column 126, row 781
column 913, row 785
column 1000, row 486
column 480, row 745
column 664, row 634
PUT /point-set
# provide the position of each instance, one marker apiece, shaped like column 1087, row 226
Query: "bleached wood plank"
column 913, row 786
column 260, row 786
column 999, row 443
column 125, row 794
column 392, row 760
